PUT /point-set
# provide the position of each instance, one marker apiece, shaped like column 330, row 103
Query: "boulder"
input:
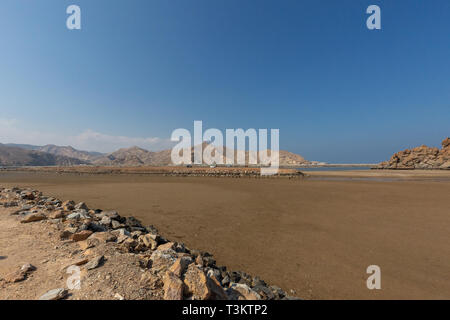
column 180, row 266
column 105, row 221
column 95, row 263
column 15, row 276
column 200, row 287
column 82, row 235
column 81, row 205
column 68, row 205
column 55, row 294
column 239, row 291
column 163, row 259
column 167, row 246
column 32, row 217
column 173, row 287
column 103, row 237
column 149, row 241
column 56, row 214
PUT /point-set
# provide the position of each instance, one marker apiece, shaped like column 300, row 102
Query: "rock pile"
column 170, row 267
column 420, row 158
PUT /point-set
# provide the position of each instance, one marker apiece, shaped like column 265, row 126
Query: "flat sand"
column 315, row 236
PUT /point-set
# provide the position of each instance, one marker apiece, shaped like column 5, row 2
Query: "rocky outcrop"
column 422, row 157
column 169, row 270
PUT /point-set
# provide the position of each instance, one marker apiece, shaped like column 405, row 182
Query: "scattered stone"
column 106, row 221
column 74, row 215
column 96, row 227
column 151, row 281
column 78, row 263
column 278, row 292
column 242, row 292
column 81, row 205
column 173, row 287
column 55, row 294
column 67, row 234
column 166, row 246
column 27, row 195
column 56, row 214
column 15, row 276
column 68, row 205
column 264, row 292
column 180, row 266
column 103, row 237
column 200, row 287
column 162, row 260
column 94, row 263
column 27, row 267
column 149, row 241
column 111, row 214
column 116, row 224
column 82, row 235
column 88, row 243
column 118, row 297
column 33, row 217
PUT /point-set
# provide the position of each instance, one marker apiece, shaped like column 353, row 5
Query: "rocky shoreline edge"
column 169, row 171
column 168, row 270
column 423, row 157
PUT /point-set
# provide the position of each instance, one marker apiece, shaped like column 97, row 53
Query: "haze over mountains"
column 52, row 155
column 16, row 156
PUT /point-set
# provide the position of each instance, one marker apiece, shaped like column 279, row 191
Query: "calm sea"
column 334, row 168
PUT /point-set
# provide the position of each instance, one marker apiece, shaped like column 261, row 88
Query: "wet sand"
column 316, row 235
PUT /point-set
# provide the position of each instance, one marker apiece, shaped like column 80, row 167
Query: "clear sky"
column 139, row 69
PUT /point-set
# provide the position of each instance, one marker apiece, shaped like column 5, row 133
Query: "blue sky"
column 139, row 69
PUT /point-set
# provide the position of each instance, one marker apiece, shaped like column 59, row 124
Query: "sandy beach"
column 315, row 235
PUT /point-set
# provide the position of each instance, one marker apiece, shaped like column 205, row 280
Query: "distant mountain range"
column 60, row 151
column 50, row 155
column 16, row 156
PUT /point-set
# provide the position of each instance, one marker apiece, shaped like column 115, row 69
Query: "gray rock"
column 121, row 232
column 54, row 294
column 111, row 214
column 116, row 224
column 105, row 221
column 73, row 216
column 81, row 205
column 264, row 292
column 225, row 281
column 94, row 263
column 96, row 227
column 27, row 268
column 214, row 273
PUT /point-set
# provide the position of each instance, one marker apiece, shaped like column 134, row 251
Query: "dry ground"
column 314, row 236
column 38, row 243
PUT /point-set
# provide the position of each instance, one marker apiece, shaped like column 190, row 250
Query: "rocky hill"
column 70, row 152
column 422, row 157
column 15, row 156
column 136, row 156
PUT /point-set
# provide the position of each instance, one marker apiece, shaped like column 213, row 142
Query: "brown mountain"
column 133, row 156
column 15, row 156
column 70, row 152
column 136, row 156
column 422, row 157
